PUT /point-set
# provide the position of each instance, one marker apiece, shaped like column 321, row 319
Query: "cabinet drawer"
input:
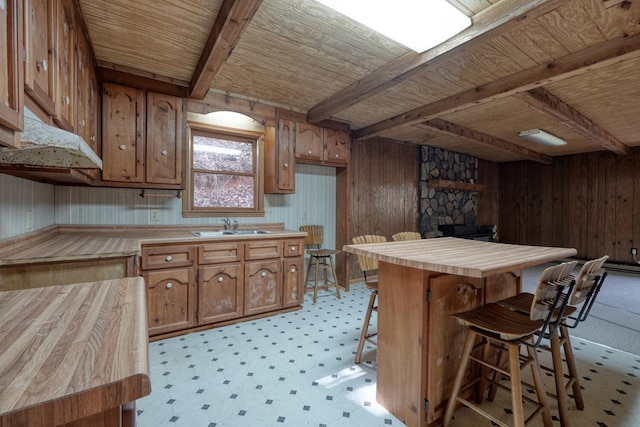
column 293, row 248
column 215, row 253
column 155, row 257
column 263, row 249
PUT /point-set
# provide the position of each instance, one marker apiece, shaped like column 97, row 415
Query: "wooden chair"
column 406, row 235
column 588, row 283
column 320, row 261
column 509, row 330
column 368, row 266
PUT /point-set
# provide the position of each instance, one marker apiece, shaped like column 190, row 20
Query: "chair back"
column 406, row 235
column 550, row 290
column 588, row 284
column 367, row 263
column 315, row 235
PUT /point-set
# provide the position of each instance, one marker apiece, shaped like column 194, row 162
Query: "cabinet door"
column 309, row 144
column 11, row 77
column 449, row 294
column 122, row 134
column 263, row 286
column 86, row 123
column 164, row 139
column 279, row 159
column 65, row 115
column 39, row 70
column 220, row 293
column 171, row 299
column 337, row 145
column 292, row 287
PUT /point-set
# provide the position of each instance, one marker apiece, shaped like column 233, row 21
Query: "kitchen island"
column 421, row 283
column 73, row 354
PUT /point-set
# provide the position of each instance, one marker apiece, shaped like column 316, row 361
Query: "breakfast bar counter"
column 73, row 354
column 421, row 283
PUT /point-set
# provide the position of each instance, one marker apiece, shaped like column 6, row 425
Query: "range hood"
column 47, row 146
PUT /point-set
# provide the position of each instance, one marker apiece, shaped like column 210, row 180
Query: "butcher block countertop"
column 72, row 351
column 463, row 257
column 69, row 243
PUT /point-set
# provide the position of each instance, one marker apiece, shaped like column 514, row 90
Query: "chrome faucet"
column 235, row 225
column 227, row 223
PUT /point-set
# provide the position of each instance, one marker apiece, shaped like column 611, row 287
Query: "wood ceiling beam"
column 595, row 57
column 547, row 103
column 233, row 18
column 140, row 80
column 447, row 128
column 496, row 19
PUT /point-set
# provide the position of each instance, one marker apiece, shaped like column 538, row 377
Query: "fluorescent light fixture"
column 417, row 24
column 542, row 137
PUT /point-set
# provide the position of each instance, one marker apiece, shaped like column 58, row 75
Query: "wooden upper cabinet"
column 142, row 138
column 279, row 159
column 122, row 134
column 65, row 115
column 86, row 95
column 337, row 145
column 164, row 139
column 40, row 61
column 11, row 73
column 309, row 141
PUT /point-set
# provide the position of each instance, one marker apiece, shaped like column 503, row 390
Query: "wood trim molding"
column 496, row 19
column 589, row 59
column 448, row 128
column 233, row 18
column 547, row 103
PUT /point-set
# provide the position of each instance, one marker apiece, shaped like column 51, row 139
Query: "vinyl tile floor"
column 297, row 369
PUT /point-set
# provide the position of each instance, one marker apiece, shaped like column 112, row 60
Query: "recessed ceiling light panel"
column 541, row 137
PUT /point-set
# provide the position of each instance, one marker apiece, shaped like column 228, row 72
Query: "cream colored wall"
column 314, row 202
column 24, row 206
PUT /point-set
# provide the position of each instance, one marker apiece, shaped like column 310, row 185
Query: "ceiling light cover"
column 417, row 24
column 541, row 137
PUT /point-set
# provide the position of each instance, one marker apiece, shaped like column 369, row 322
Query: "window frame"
column 257, row 138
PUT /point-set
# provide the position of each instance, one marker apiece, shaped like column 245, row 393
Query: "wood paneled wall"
column 384, row 179
column 589, row 201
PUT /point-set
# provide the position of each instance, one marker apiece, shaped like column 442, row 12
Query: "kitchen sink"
column 218, row 233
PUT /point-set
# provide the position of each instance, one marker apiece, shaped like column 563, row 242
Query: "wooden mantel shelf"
column 455, row 185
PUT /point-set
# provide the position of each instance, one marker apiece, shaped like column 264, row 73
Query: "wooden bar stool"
column 587, row 286
column 368, row 266
column 320, row 261
column 508, row 330
column 406, row 235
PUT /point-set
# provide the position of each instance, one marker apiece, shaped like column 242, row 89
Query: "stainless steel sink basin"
column 219, row 233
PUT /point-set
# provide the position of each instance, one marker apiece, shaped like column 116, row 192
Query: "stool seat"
column 322, row 252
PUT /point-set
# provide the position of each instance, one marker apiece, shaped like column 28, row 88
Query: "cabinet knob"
column 286, row 165
column 42, row 65
column 293, row 249
column 337, row 156
column 66, row 100
column 81, row 123
column 220, row 279
column 309, row 152
column 123, row 147
column 293, row 269
column 169, row 258
column 169, row 285
column 263, row 274
column 163, row 152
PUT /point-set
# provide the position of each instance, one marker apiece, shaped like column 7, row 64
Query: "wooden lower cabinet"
column 220, row 293
column 171, row 299
column 263, row 286
column 234, row 280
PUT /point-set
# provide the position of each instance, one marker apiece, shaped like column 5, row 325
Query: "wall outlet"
column 154, row 216
column 634, row 251
column 30, row 219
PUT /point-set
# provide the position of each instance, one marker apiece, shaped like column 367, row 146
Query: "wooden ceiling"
column 570, row 67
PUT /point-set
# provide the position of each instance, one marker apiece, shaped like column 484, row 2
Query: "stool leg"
column 539, row 385
column 516, row 385
column 571, row 367
column 457, row 385
column 561, row 390
column 335, row 276
column 316, row 274
column 365, row 326
column 306, row 276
